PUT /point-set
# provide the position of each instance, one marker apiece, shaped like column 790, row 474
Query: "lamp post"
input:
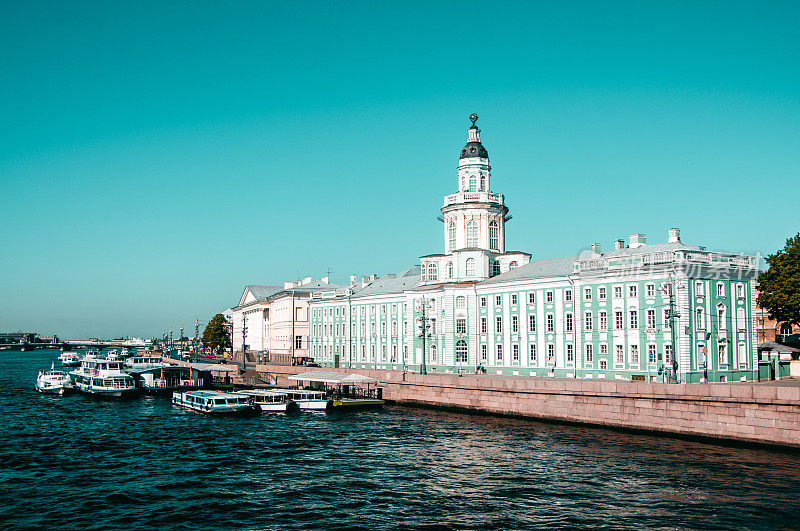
column 244, row 336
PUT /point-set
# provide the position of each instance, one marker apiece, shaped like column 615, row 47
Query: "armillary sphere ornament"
column 474, row 118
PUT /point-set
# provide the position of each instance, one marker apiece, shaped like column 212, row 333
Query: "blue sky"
column 156, row 157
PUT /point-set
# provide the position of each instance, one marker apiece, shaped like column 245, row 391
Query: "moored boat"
column 69, row 359
column 214, row 402
column 307, row 399
column 103, row 377
column 53, row 381
column 140, row 363
column 268, row 400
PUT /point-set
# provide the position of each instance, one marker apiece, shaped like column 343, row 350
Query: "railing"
column 470, row 197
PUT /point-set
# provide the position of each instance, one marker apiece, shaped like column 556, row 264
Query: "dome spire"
column 474, row 148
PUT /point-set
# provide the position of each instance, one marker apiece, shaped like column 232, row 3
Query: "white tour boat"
column 215, row 402
column 307, row 399
column 69, row 359
column 53, row 381
column 268, row 400
column 103, row 377
column 142, row 362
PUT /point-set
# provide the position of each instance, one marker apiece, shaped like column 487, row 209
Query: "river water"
column 73, row 462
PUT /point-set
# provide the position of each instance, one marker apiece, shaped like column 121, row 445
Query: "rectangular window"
column 650, row 290
column 667, row 353
column 498, row 324
column 483, row 325
column 513, row 299
column 570, row 352
column 383, row 328
column 514, row 324
column 651, row 319
column 587, row 321
column 603, row 365
column 740, row 290
column 298, row 342
column 394, row 328
column 617, row 292
column 603, row 320
column 483, row 353
column 383, row 309
column 531, row 323
column 604, row 349
column 667, row 320
column 499, row 352
column 699, row 288
column 633, row 291
column 634, row 319
column 394, row 354
column 532, row 352
column 568, row 295
column 550, row 323
column 634, row 353
column 587, row 294
column 548, row 296
column 601, row 293
column 515, row 352
column 619, row 323
column 651, row 354
column 701, row 319
column 551, row 352
column 620, row 354
column 461, row 326
column 589, row 353
column 531, row 298
column 483, row 302
column 432, row 328
column 498, row 300
column 568, row 322
column 720, row 290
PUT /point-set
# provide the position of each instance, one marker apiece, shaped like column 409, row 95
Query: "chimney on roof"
column 597, row 249
column 373, row 277
column 353, row 280
column 305, row 281
column 325, row 280
column 287, row 285
column 619, row 244
column 674, row 235
column 637, row 240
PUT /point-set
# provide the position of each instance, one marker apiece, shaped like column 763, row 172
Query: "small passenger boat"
column 103, row 377
column 307, row 399
column 69, row 359
column 268, row 400
column 214, row 402
column 53, row 381
column 140, row 363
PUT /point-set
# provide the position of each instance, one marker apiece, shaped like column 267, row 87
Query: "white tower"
column 474, row 223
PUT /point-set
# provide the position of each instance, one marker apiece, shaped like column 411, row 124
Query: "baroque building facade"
column 640, row 311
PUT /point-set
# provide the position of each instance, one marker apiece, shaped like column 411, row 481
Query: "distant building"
column 640, row 311
column 272, row 321
column 768, row 329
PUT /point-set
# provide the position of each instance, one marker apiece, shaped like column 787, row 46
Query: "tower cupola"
column 474, row 148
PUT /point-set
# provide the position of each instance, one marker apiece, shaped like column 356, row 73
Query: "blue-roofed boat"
column 214, row 402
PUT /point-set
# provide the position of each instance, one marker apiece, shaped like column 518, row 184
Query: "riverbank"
column 764, row 413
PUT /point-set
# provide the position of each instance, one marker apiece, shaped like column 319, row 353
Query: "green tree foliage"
column 215, row 335
column 779, row 286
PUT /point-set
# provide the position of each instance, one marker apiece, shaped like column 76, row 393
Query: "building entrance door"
column 336, row 361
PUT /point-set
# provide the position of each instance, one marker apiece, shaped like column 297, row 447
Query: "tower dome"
column 474, row 148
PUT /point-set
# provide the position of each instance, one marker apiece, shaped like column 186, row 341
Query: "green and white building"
column 640, row 311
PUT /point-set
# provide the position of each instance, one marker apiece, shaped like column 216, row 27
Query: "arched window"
column 470, row 267
column 463, row 183
column 449, row 269
column 461, row 302
column 473, row 183
column 433, row 273
column 461, row 351
column 493, row 233
column 423, row 271
column 483, row 183
column 433, row 354
column 472, row 234
column 451, row 235
column 513, row 265
column 495, row 269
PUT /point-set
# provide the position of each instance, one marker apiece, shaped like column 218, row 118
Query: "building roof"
column 651, row 248
column 552, row 267
column 262, row 292
column 391, row 284
column 332, row 377
column 777, row 347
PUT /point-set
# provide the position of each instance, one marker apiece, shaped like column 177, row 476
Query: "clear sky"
column 156, row 157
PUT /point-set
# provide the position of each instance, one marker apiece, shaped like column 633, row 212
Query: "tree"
column 779, row 286
column 215, row 335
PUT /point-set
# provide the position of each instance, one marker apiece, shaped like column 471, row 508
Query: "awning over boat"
column 333, row 378
column 212, row 367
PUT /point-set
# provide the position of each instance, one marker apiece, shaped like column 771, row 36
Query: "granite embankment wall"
column 747, row 412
